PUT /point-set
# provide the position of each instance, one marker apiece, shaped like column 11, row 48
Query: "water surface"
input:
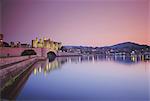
column 85, row 78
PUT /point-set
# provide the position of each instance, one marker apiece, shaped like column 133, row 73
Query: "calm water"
column 85, row 78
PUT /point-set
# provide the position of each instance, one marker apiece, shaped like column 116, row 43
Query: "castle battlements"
column 46, row 43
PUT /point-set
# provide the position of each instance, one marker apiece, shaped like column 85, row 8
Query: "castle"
column 46, row 43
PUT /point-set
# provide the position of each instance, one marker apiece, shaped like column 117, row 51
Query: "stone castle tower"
column 46, row 43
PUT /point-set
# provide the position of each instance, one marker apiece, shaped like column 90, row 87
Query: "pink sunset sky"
column 76, row 22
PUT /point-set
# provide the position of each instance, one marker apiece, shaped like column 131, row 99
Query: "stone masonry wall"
column 8, row 51
column 8, row 73
column 9, row 60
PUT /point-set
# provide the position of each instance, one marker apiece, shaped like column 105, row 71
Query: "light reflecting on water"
column 87, row 78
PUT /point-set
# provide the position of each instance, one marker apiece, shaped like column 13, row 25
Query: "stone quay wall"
column 10, row 60
column 8, row 74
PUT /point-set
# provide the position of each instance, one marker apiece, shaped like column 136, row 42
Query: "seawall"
column 9, row 73
column 10, row 60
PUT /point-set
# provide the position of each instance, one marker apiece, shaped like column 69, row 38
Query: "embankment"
column 14, row 66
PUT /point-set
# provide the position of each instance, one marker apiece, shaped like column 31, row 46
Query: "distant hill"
column 129, row 45
column 76, row 47
column 120, row 46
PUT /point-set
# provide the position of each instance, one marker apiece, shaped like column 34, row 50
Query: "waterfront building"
column 46, row 43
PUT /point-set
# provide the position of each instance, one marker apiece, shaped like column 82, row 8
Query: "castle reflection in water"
column 47, row 66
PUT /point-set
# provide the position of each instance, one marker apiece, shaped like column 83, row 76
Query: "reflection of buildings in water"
column 93, row 58
column 128, row 59
column 133, row 58
column 47, row 67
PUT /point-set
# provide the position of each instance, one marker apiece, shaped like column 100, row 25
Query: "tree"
column 5, row 44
